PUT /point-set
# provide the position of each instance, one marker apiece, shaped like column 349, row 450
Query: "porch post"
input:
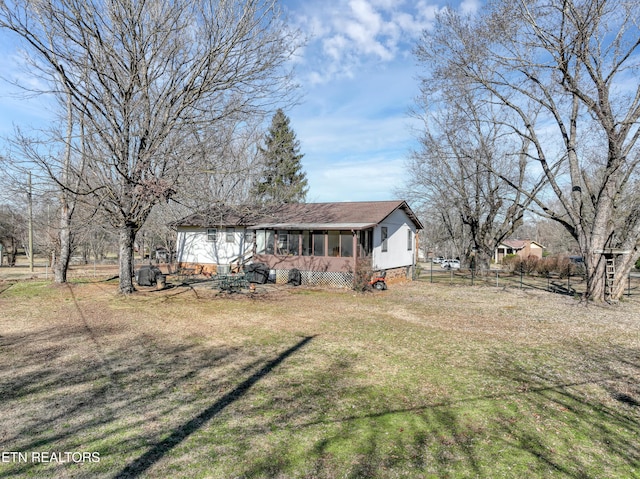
column 354, row 248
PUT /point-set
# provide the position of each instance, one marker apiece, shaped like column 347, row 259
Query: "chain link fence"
column 568, row 284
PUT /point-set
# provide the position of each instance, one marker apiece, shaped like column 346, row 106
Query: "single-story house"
column 522, row 248
column 321, row 240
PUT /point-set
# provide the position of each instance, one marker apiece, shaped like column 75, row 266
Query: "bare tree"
column 444, row 233
column 151, row 80
column 461, row 148
column 229, row 162
column 555, row 237
column 565, row 74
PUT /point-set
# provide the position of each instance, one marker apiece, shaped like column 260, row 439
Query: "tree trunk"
column 597, row 276
column 127, row 240
column 61, row 266
column 11, row 257
column 62, row 259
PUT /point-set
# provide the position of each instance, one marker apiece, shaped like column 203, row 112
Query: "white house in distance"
column 322, row 240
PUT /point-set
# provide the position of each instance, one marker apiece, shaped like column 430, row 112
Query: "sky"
column 358, row 78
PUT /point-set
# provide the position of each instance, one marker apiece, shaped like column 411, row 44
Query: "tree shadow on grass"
column 152, row 456
column 79, row 383
column 158, row 407
column 578, row 413
column 547, row 418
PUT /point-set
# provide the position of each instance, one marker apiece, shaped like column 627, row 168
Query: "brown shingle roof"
column 222, row 215
column 519, row 244
column 347, row 215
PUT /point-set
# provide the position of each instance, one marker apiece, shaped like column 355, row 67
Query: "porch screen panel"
column 346, row 244
column 365, row 242
column 306, row 244
column 265, row 241
column 283, row 242
column 271, row 242
column 318, row 243
column 261, row 242
column 334, row 243
column 294, row 243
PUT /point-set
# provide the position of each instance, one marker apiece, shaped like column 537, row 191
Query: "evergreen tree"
column 282, row 179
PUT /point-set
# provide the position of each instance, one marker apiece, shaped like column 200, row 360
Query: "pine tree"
column 282, row 179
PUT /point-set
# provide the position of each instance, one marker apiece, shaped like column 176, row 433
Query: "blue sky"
column 358, row 77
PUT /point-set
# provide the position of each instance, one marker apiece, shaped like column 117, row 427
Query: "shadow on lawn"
column 181, row 433
column 57, row 398
column 588, row 397
column 573, row 415
column 132, row 396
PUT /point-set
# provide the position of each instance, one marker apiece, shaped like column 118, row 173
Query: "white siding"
column 397, row 254
column 194, row 247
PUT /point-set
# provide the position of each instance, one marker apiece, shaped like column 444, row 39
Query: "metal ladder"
column 610, row 275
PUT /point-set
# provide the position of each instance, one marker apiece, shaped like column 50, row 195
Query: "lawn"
column 420, row 381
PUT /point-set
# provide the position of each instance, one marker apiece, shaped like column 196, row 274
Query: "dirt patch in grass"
column 418, row 381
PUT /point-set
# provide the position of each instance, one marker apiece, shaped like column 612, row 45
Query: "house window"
column 212, row 234
column 346, row 244
column 231, row 235
column 318, row 243
column 384, row 239
column 248, row 236
column 409, row 240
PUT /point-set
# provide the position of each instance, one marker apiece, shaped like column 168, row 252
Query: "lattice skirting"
column 318, row 278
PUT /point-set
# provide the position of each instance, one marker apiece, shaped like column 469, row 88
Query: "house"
column 321, row 240
column 522, row 248
column 213, row 241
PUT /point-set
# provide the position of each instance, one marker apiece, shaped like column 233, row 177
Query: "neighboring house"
column 322, row 240
column 522, row 248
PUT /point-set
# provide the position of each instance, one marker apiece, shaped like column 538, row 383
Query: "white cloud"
column 346, row 34
column 469, row 7
column 335, row 46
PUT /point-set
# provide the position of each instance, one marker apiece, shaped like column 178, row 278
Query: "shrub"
column 511, row 262
column 362, row 274
column 530, row 264
column 560, row 265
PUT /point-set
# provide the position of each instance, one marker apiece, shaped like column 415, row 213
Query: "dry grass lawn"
column 420, row 381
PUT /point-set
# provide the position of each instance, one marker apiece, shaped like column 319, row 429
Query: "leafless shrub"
column 362, row 274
